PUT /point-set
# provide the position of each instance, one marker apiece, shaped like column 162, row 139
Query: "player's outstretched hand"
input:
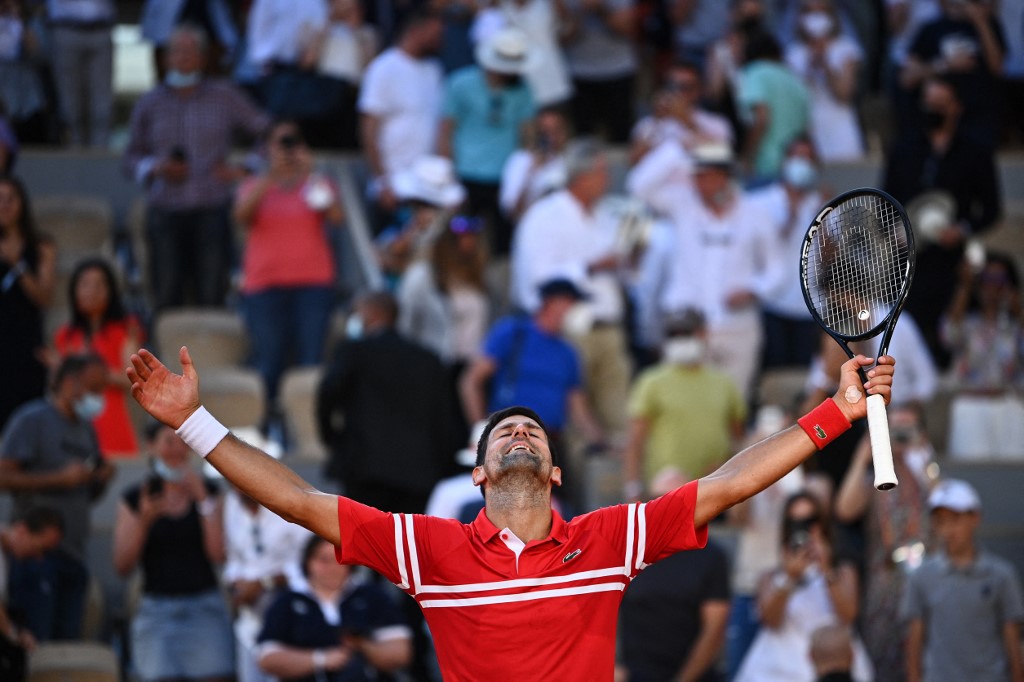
column 169, row 397
column 851, row 394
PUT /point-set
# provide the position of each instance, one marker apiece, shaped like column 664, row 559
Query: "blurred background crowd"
column 373, row 222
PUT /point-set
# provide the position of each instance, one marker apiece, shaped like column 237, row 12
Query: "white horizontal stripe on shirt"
column 522, row 582
column 523, row 596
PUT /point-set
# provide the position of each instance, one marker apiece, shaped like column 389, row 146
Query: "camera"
column 798, row 532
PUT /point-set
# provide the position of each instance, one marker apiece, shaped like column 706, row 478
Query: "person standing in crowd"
column 720, row 266
column 160, row 17
column 400, row 106
column 375, row 378
column 262, row 557
column 169, row 526
column 603, row 64
column 947, row 157
column 963, row 605
column 29, row 535
column 812, row 587
column 485, row 114
column 774, row 107
column 181, row 134
column 965, row 45
column 49, row 455
column 830, row 64
column 562, row 236
column 526, row 361
column 83, row 67
column 334, row 626
column 895, row 530
column 28, row 267
column 100, row 324
column 681, row 399
column 984, row 332
column 288, row 269
column 538, row 167
column 782, row 211
column 672, row 620
column 493, row 578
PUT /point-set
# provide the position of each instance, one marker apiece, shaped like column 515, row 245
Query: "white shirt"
column 521, row 180
column 342, row 56
column 918, row 379
column 280, row 29
column 557, row 237
column 779, row 289
column 451, row 495
column 405, row 93
column 650, row 280
column 715, row 257
column 707, row 127
column 259, row 545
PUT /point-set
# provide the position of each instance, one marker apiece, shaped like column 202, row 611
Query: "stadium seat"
column 215, row 337
column 235, row 396
column 73, row 662
column 782, row 387
column 298, row 400
column 81, row 224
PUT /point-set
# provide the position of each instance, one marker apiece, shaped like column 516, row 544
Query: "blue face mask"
column 354, row 327
column 167, row 473
column 90, row 406
column 177, row 79
column 799, row 173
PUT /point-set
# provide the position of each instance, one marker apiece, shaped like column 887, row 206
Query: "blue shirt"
column 534, row 369
column 487, row 123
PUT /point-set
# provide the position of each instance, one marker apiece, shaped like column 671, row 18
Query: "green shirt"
column 776, row 87
column 691, row 412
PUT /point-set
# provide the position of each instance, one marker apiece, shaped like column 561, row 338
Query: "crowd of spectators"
column 639, row 325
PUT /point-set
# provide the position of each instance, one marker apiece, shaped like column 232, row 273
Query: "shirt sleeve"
column 372, row 538
column 717, row 586
column 373, row 96
column 499, row 341
column 668, row 524
column 277, row 621
column 1010, row 592
column 912, row 606
column 19, row 442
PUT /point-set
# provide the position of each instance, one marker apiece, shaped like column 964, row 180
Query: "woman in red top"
column 288, row 271
column 100, row 324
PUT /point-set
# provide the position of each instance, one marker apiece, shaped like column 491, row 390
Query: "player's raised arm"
column 174, row 400
column 757, row 467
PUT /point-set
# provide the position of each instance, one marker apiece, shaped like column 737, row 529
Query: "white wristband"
column 202, row 432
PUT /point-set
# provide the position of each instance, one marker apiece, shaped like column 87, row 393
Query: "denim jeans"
column 287, row 325
column 188, row 250
column 48, row 595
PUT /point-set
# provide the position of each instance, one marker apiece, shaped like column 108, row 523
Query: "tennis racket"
column 856, row 266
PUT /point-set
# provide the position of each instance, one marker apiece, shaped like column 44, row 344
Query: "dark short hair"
column 75, row 366
column 38, row 518
column 307, row 552
column 497, row 417
column 115, row 307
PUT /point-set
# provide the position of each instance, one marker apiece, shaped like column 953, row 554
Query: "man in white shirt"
column 263, row 553
column 562, row 236
column 400, row 104
column 719, row 263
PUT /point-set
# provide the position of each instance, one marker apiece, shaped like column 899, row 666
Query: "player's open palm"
column 169, row 397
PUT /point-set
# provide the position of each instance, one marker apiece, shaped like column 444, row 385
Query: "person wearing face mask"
column 719, row 264
column 49, row 455
column 180, row 139
column 169, row 526
column 681, row 400
column 829, row 64
column 782, row 211
column 947, row 156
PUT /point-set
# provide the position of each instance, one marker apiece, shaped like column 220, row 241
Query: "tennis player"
column 519, row 593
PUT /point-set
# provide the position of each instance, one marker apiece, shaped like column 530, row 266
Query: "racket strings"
column 858, row 265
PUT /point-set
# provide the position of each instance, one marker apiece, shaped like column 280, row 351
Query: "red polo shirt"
column 501, row 610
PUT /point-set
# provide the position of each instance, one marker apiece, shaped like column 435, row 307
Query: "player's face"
column 955, row 530
column 518, row 445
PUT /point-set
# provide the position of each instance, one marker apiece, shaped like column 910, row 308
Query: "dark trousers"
column 604, row 104
column 287, row 324
column 189, row 251
column 482, row 200
column 47, row 595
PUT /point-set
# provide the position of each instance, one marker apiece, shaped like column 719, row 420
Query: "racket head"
column 856, row 265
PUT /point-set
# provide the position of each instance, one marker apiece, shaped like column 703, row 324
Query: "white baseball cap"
column 954, row 494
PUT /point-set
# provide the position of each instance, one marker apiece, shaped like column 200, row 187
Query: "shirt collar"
column 487, row 531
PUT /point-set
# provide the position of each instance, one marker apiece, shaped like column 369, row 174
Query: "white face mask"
column 684, row 350
column 578, row 320
column 354, row 327
column 90, row 406
column 798, row 172
column 166, row 472
column 816, row 24
column 177, row 79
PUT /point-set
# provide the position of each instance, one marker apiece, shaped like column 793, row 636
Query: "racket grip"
column 881, row 449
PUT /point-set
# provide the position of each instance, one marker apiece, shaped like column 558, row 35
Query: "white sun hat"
column 507, row 51
column 431, row 179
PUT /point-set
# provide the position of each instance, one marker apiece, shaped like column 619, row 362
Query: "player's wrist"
column 825, row 423
column 202, row 432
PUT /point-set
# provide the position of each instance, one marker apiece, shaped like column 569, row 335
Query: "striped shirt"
column 501, row 609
